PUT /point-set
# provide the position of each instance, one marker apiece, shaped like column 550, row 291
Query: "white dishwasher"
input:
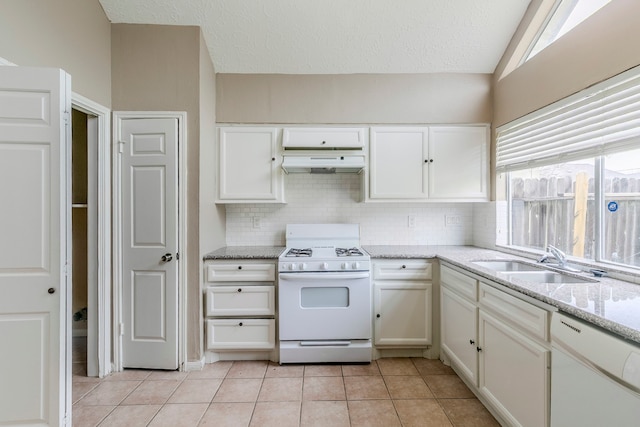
column 595, row 376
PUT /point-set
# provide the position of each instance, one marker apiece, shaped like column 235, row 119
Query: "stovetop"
column 323, row 247
column 323, row 252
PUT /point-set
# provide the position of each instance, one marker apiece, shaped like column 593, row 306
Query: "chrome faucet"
column 561, row 258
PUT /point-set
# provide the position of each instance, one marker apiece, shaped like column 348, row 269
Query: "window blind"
column 599, row 119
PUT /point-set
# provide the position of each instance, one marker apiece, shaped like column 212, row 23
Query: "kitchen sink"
column 545, row 276
column 507, row 265
column 519, row 270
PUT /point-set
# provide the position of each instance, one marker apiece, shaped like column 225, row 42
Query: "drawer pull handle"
column 239, row 289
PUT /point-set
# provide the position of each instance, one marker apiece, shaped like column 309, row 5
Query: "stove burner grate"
column 293, row 252
column 348, row 252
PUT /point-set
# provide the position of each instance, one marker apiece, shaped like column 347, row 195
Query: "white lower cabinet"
column 240, row 305
column 514, row 373
column 459, row 326
column 499, row 344
column 241, row 334
column 402, row 303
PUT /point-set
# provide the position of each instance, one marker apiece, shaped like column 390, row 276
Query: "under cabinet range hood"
column 323, row 150
column 323, row 163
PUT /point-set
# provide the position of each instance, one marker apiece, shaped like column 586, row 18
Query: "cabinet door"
column 240, row 300
column 514, row 373
column 458, row 162
column 397, row 163
column 241, row 334
column 249, row 165
column 402, row 313
column 459, row 329
column 241, row 272
column 311, row 138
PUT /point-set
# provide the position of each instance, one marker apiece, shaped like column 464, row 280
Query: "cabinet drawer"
column 461, row 283
column 241, row 272
column 241, row 334
column 410, row 269
column 323, row 138
column 240, row 301
column 530, row 318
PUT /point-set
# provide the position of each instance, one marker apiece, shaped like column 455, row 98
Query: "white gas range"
column 324, row 295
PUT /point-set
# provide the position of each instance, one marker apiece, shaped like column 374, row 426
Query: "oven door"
column 324, row 306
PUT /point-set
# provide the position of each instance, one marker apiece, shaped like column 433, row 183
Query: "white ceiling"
column 339, row 36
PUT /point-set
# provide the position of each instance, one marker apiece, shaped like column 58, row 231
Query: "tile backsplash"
column 336, row 199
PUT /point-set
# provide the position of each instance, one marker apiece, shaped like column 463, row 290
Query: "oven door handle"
column 324, row 276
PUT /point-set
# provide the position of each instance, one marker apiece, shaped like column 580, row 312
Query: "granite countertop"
column 245, row 252
column 611, row 304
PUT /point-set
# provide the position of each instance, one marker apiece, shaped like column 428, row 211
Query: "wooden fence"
column 561, row 212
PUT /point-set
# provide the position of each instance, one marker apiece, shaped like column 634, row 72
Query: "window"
column 573, row 174
column 566, row 15
column 621, row 189
column 554, row 205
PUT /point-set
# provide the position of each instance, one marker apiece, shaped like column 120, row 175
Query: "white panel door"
column 150, row 243
column 34, row 247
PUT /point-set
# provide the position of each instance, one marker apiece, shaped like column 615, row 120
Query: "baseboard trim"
column 195, row 365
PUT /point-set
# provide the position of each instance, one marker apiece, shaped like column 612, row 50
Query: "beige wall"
column 74, row 35
column 353, row 98
column 157, row 68
column 212, row 216
column 602, row 46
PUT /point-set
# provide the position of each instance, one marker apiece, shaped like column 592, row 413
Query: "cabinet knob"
column 51, row 290
column 472, row 342
column 378, row 316
column 478, row 349
column 426, row 160
column 239, row 289
column 430, row 160
column 324, row 142
column 404, row 266
column 239, row 267
column 273, row 159
column 240, row 324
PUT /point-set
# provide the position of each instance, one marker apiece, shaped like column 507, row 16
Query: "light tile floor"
column 387, row 392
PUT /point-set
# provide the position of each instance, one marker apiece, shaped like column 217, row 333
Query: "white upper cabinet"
column 249, row 165
column 314, row 138
column 458, row 158
column 397, row 158
column 435, row 163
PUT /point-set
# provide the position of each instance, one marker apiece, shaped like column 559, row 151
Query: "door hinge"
column 121, row 327
column 121, row 147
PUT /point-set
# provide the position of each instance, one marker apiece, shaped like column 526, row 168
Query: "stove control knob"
column 303, row 266
column 324, row 266
column 356, row 265
column 292, row 266
column 345, row 266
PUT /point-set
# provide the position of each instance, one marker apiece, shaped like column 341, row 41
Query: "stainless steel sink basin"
column 507, row 265
column 515, row 269
column 543, row 276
